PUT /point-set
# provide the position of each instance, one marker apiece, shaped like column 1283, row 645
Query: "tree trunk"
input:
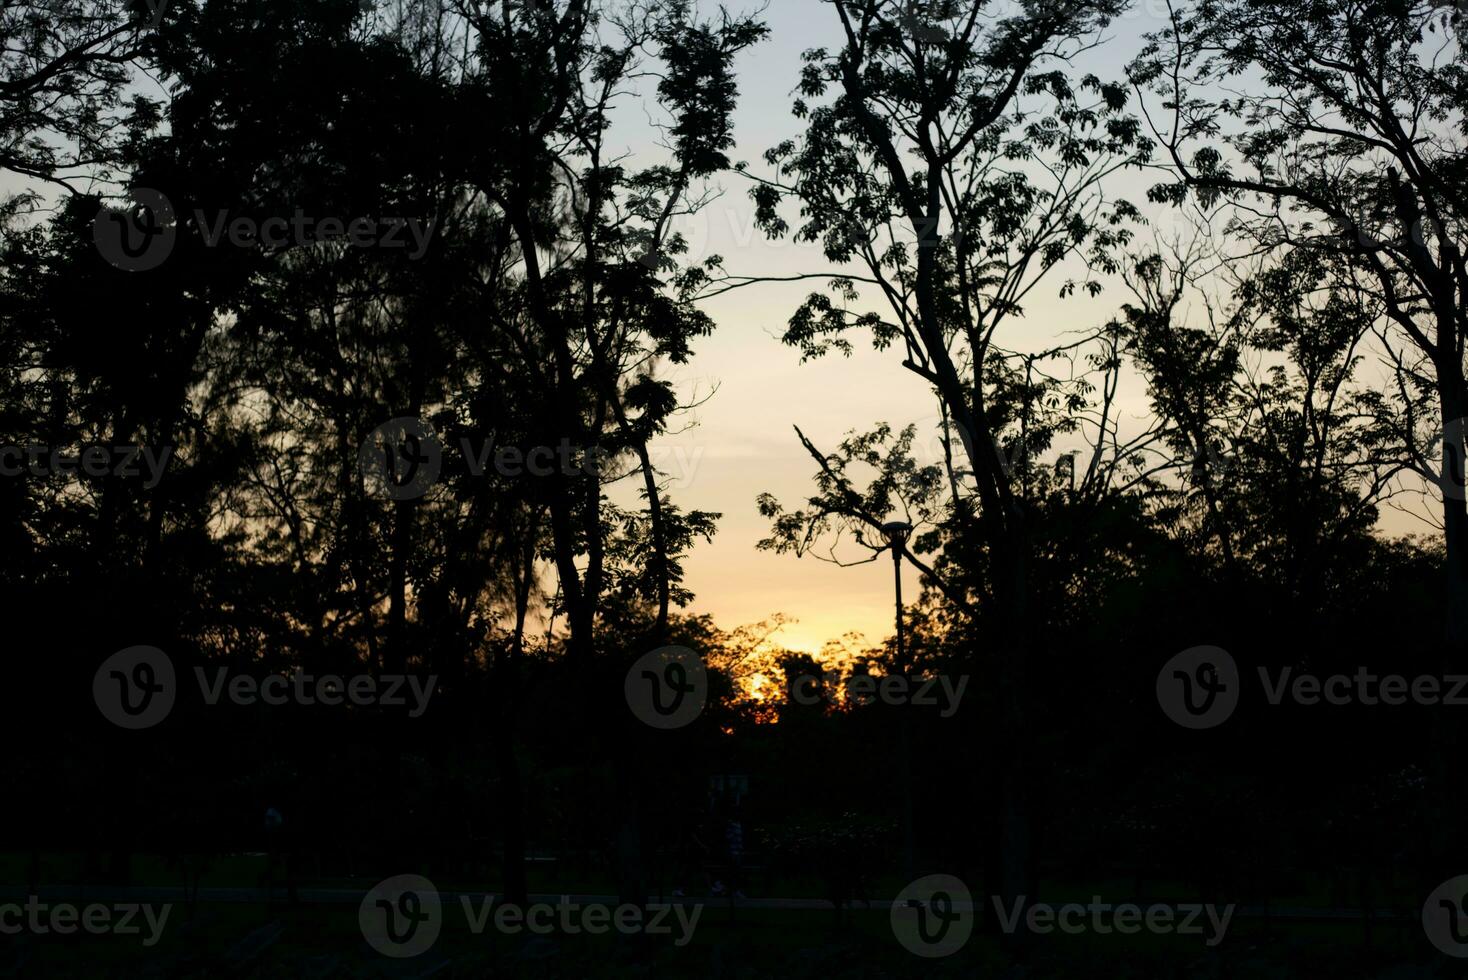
column 1447, row 795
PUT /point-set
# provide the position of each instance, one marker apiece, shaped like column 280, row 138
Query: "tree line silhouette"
column 1290, row 301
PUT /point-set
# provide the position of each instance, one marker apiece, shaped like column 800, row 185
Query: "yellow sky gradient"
column 742, row 443
column 739, row 442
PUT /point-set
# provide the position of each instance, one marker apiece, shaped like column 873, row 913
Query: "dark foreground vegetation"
column 323, row 260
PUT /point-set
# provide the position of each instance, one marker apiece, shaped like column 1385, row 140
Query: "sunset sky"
column 743, row 443
column 739, row 442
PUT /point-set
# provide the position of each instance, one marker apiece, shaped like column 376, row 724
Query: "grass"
column 323, row 941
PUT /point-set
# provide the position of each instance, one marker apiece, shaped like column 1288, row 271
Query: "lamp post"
column 897, row 533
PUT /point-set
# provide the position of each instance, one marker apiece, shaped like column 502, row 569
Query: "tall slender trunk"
column 1455, row 520
column 1447, row 731
column 396, row 657
column 1015, row 839
column 516, row 884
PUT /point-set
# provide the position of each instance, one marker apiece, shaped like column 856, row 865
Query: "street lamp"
column 897, row 533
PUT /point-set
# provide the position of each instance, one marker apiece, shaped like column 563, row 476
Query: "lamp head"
column 897, row 532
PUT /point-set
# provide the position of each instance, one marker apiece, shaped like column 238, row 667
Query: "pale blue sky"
column 743, row 443
column 739, row 442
